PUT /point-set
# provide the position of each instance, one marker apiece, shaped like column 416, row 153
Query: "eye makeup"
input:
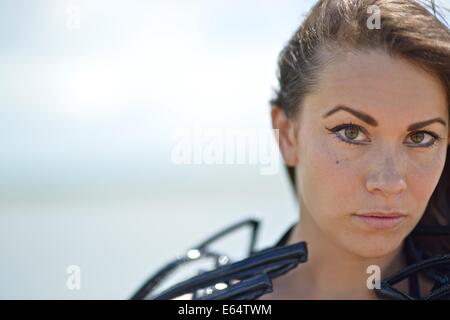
column 434, row 138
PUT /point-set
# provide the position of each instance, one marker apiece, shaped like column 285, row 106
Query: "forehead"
column 382, row 85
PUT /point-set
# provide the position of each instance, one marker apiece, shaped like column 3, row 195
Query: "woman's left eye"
column 418, row 137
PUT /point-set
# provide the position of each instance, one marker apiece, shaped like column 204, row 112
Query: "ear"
column 287, row 136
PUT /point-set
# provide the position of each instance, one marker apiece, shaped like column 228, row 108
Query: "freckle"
column 337, row 161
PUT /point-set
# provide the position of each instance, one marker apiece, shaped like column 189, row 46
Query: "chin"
column 375, row 246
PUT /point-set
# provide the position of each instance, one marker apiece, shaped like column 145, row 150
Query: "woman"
column 362, row 114
column 363, row 124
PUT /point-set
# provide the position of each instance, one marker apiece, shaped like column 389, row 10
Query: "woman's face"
column 380, row 163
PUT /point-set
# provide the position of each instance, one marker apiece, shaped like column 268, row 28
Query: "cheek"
column 328, row 180
column 423, row 174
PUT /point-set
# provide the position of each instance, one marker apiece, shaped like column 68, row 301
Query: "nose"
column 386, row 179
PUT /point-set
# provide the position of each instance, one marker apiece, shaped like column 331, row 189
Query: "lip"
column 381, row 220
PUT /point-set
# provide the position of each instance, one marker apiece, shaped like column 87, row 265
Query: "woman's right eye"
column 348, row 133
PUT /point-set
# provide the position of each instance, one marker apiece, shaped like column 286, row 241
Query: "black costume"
column 251, row 277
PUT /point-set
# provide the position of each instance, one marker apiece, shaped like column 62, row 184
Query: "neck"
column 332, row 272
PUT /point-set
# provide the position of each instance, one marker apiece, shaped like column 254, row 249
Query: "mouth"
column 381, row 220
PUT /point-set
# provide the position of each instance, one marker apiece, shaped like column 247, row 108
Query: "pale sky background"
column 88, row 110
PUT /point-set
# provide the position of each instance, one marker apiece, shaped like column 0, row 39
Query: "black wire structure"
column 250, row 278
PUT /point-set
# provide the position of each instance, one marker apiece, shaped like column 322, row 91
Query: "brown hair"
column 409, row 29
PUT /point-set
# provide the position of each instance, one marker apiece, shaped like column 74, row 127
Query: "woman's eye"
column 419, row 137
column 349, row 133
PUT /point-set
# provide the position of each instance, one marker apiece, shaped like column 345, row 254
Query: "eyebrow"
column 374, row 123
